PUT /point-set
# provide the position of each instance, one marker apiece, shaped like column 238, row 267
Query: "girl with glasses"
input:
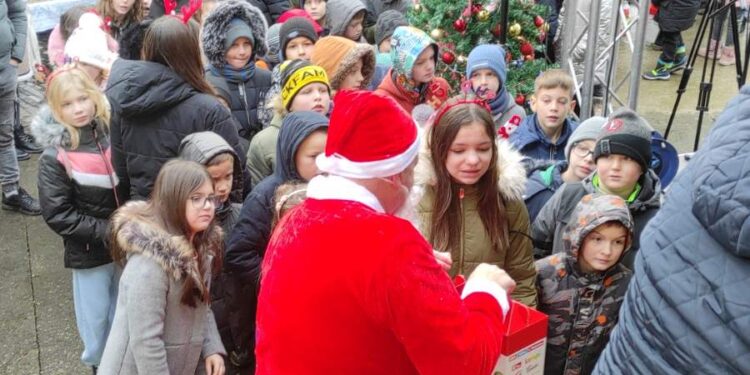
column 169, row 246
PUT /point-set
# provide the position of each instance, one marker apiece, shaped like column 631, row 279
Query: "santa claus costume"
column 347, row 288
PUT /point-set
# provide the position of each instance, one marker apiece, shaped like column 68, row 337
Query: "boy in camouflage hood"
column 582, row 289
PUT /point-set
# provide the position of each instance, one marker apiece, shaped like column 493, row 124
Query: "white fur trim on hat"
column 341, row 166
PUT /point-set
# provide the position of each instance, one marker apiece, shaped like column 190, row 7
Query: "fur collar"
column 136, row 234
column 47, row 131
column 512, row 175
column 217, row 23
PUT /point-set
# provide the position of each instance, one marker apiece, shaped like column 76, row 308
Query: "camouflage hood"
column 589, row 213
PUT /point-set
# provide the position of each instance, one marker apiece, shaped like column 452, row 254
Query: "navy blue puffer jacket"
column 687, row 310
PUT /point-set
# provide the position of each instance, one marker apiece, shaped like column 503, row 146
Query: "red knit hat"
column 369, row 136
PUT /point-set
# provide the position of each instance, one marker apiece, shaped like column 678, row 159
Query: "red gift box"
column 524, row 342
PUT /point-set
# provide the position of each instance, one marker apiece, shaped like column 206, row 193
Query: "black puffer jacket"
column 676, row 15
column 244, row 98
column 153, row 109
column 76, row 189
column 687, row 309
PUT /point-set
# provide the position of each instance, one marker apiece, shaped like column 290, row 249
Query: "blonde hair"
column 63, row 81
column 552, row 79
column 288, row 196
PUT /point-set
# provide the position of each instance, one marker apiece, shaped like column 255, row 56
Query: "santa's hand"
column 443, row 259
column 487, row 272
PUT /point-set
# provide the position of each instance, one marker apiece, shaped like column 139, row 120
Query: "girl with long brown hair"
column 471, row 205
column 118, row 14
column 169, row 246
column 159, row 100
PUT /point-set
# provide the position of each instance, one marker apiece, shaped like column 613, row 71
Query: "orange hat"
column 338, row 56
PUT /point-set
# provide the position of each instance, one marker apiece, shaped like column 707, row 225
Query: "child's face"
column 77, row 109
column 239, row 54
column 552, row 107
column 485, row 80
column 146, row 8
column 424, row 68
column 354, row 28
column 122, row 7
column 313, row 97
column 618, row 174
column 222, row 176
column 299, row 48
column 309, row 149
column 355, row 79
column 200, row 207
column 316, row 9
column 602, row 248
column 582, row 158
column 385, row 46
column 469, row 155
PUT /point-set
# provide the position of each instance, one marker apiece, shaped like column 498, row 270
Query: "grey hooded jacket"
column 548, row 227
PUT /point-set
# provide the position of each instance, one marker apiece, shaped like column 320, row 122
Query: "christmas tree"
column 458, row 26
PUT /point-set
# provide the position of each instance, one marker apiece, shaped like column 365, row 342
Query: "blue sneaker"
column 660, row 73
column 679, row 63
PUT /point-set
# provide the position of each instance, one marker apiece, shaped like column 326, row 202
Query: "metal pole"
column 504, row 21
column 571, row 16
column 589, row 60
column 637, row 60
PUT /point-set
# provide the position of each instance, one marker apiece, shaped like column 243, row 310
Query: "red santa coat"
column 347, row 289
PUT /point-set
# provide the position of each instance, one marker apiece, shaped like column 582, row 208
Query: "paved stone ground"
column 36, row 309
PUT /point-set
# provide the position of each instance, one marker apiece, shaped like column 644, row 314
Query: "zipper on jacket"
column 461, row 194
column 106, row 167
column 243, row 97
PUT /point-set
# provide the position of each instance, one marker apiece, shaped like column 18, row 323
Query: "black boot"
column 22, row 202
column 24, row 142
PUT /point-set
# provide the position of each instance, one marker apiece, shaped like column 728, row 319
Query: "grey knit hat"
column 625, row 133
column 272, row 40
column 387, row 22
column 588, row 129
column 237, row 29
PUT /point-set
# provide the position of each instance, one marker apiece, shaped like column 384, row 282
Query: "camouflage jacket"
column 582, row 307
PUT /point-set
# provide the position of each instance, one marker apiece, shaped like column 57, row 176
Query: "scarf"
column 500, row 103
column 410, row 86
column 234, row 75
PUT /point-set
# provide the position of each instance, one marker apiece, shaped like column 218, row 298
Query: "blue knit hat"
column 487, row 56
column 407, row 42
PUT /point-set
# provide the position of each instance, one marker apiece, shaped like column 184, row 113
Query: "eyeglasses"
column 199, row 202
column 582, row 151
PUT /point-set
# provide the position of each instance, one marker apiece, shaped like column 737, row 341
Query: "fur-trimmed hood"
column 47, row 131
column 217, row 23
column 511, row 173
column 136, row 234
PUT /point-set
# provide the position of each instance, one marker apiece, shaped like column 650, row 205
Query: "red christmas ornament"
column 459, row 25
column 527, row 49
column 448, row 57
column 520, row 99
column 538, row 21
column 476, row 8
column 497, row 30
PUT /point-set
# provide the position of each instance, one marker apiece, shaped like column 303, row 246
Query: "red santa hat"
column 369, row 136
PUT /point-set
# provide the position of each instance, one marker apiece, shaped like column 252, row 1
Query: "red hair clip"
column 170, row 6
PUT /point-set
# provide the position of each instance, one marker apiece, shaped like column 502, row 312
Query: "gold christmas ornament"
column 514, row 30
column 437, row 34
column 483, row 15
column 461, row 59
column 545, row 27
column 417, row 8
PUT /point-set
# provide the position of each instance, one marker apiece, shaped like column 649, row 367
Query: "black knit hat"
column 293, row 28
column 387, row 22
column 625, row 133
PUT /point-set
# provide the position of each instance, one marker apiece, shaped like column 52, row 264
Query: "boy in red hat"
column 357, row 290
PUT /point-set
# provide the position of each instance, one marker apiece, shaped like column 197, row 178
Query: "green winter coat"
column 261, row 155
column 476, row 246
